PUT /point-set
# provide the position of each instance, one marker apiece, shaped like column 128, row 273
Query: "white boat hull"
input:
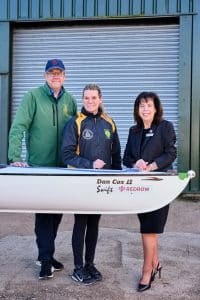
column 49, row 190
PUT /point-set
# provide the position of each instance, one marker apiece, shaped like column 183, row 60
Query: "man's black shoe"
column 46, row 270
column 57, row 266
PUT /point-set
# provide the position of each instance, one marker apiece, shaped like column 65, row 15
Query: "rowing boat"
column 64, row 190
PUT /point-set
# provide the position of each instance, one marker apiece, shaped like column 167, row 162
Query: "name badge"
column 149, row 134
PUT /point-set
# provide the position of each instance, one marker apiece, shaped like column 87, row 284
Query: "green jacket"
column 42, row 118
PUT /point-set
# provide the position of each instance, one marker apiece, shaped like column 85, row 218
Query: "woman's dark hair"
column 144, row 96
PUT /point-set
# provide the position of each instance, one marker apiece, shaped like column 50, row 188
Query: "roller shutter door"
column 122, row 60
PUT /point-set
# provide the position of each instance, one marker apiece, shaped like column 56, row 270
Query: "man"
column 42, row 115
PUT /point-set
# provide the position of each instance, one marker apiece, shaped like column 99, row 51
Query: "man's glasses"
column 55, row 74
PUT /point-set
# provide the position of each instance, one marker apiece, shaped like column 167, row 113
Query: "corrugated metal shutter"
column 123, row 60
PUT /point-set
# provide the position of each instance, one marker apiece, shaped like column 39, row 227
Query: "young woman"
column 90, row 141
column 150, row 147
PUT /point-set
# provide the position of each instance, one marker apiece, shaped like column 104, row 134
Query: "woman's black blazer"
column 158, row 147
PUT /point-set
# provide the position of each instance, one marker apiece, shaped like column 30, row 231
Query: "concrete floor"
column 118, row 257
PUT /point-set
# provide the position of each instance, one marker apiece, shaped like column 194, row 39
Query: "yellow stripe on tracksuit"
column 79, row 119
column 109, row 120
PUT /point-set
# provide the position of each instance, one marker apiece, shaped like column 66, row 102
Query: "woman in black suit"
column 150, row 147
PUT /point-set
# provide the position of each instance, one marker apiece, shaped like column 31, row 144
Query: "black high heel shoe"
column 144, row 287
column 156, row 270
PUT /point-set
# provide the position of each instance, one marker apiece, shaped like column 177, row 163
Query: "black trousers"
column 86, row 228
column 46, row 227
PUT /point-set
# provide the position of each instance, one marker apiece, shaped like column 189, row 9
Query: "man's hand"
column 19, row 164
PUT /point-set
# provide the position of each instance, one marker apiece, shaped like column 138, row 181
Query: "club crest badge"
column 87, row 134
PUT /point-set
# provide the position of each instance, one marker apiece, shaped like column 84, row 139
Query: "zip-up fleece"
column 88, row 137
column 42, row 118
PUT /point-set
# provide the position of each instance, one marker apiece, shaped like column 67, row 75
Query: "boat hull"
column 46, row 190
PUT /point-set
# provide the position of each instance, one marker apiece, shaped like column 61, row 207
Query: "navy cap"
column 54, row 64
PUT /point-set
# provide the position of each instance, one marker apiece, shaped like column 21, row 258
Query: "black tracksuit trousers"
column 86, row 228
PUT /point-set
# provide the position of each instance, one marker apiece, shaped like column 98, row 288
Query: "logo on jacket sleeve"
column 107, row 133
column 87, row 134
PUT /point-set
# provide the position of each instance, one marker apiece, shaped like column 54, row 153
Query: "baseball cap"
column 54, row 64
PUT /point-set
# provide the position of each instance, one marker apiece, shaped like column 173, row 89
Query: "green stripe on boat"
column 182, row 176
